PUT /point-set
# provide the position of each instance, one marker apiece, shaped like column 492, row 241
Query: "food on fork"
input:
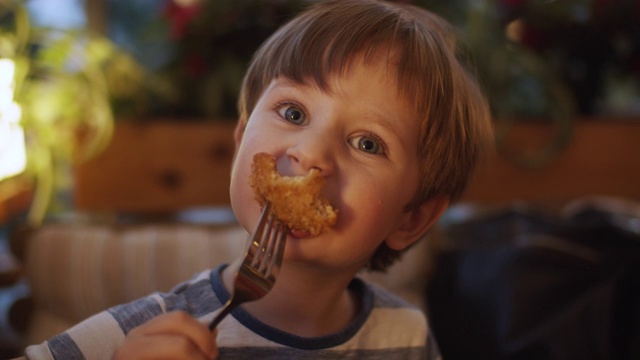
column 295, row 200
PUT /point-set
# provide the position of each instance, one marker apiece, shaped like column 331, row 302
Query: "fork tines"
column 269, row 243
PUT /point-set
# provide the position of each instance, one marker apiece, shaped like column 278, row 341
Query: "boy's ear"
column 416, row 222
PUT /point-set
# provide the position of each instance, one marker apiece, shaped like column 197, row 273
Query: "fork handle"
column 226, row 309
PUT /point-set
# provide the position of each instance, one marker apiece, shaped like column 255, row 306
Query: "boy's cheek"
column 243, row 200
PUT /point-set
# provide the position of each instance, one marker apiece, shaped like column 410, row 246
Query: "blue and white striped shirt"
column 386, row 328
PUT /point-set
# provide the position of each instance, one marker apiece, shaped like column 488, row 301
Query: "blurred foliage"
column 590, row 47
column 66, row 83
column 204, row 47
column 550, row 61
column 215, row 46
column 519, row 84
column 535, row 57
column 516, row 80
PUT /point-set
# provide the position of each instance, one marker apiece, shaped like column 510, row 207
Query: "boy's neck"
column 305, row 303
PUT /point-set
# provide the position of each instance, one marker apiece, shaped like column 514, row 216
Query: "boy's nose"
column 313, row 152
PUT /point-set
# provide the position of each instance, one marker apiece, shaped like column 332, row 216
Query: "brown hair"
column 453, row 114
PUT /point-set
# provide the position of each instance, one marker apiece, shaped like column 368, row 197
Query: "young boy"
column 371, row 95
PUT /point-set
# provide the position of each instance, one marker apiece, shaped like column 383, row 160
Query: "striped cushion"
column 78, row 270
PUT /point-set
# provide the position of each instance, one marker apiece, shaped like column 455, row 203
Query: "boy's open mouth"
column 300, row 234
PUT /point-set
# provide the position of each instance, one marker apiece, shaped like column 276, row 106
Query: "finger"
column 160, row 347
column 182, row 324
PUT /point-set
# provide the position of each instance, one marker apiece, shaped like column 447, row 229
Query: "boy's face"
column 361, row 135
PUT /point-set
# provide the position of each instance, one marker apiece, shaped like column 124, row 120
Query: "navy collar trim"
column 357, row 286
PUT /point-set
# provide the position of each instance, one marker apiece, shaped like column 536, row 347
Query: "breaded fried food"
column 295, row 200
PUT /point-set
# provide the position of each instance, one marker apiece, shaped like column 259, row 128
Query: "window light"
column 13, row 157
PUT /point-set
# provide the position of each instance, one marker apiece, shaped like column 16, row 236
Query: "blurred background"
column 124, row 109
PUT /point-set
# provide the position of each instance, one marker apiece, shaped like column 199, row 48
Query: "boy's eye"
column 293, row 114
column 367, row 143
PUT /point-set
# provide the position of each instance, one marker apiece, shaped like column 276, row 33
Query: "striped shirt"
column 385, row 328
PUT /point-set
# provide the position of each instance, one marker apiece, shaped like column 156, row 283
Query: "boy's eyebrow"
column 286, row 82
column 309, row 82
column 283, row 83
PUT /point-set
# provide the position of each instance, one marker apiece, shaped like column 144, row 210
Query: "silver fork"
column 259, row 266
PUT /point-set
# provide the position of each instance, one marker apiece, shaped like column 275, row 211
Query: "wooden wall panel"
column 155, row 167
column 603, row 158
